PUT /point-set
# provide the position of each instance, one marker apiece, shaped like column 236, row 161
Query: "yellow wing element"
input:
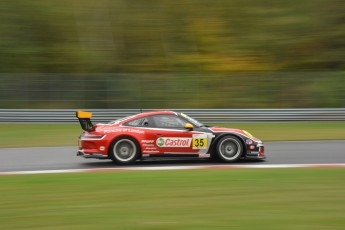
column 85, row 120
column 82, row 114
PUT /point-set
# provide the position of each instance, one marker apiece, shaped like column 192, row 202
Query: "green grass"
column 310, row 198
column 24, row 135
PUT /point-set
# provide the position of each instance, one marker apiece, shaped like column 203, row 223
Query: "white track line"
column 264, row 166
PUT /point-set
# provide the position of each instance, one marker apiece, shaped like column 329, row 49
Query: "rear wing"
column 85, row 120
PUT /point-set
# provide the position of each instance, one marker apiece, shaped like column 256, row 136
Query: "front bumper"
column 256, row 152
column 81, row 153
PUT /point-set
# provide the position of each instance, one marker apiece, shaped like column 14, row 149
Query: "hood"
column 225, row 130
column 236, row 131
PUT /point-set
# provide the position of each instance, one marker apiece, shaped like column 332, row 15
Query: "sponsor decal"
column 147, row 141
column 151, row 148
column 160, row 142
column 174, row 142
column 124, row 130
column 254, row 152
column 200, row 141
column 136, row 131
column 249, row 142
column 204, row 155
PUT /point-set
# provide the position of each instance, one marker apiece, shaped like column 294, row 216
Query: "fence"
column 203, row 115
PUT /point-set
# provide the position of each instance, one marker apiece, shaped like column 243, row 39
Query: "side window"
column 138, row 122
column 168, row 121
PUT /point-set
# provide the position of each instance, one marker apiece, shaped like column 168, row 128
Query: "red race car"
column 163, row 134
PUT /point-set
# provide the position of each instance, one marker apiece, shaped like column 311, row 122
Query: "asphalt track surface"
column 61, row 158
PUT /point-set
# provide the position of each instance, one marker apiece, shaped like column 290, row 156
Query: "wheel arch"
column 134, row 150
column 114, row 139
column 220, row 136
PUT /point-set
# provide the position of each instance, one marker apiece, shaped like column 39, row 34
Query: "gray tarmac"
column 56, row 158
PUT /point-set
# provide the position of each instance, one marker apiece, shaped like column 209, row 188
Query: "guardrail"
column 31, row 116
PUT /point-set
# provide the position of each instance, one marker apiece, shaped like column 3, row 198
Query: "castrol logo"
column 173, row 142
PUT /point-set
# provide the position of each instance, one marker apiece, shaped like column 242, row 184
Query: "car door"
column 170, row 135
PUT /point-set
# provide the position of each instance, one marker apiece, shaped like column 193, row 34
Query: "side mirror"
column 189, row 126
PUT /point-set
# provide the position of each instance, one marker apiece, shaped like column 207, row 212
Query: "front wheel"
column 124, row 150
column 229, row 149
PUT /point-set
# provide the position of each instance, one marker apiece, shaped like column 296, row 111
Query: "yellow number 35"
column 199, row 143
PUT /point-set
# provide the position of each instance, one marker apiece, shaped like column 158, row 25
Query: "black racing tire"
column 229, row 149
column 124, row 150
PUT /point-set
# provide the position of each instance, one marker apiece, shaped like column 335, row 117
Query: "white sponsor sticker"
column 147, row 141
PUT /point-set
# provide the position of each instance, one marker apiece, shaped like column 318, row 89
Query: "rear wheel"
column 124, row 150
column 229, row 149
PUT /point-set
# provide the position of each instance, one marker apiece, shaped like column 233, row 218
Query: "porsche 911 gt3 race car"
column 163, row 134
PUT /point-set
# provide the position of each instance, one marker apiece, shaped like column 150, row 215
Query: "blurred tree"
column 200, row 40
column 165, row 36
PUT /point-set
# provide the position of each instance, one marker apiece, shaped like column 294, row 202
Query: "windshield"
column 192, row 120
